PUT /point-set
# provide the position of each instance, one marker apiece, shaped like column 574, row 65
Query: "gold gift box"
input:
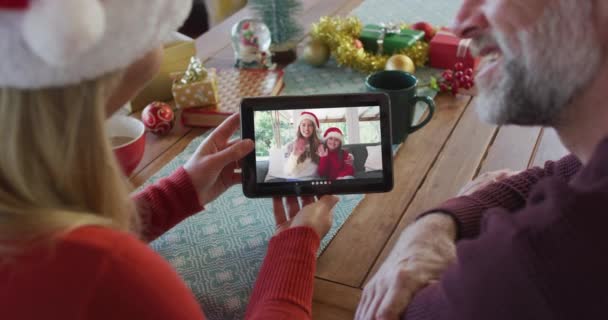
column 176, row 57
column 202, row 93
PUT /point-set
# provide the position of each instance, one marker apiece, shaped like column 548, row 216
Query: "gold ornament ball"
column 400, row 62
column 316, row 53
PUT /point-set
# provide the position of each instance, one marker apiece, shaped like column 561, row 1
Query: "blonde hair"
column 57, row 169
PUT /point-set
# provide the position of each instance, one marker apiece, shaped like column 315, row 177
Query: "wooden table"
column 430, row 167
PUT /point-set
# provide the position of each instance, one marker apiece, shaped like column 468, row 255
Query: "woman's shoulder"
column 98, row 238
column 85, row 255
column 126, row 259
column 117, row 247
column 111, row 264
column 130, row 266
column 78, row 247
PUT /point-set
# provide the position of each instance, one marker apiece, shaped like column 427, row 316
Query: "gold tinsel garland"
column 341, row 35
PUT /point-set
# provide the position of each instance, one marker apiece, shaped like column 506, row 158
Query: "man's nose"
column 470, row 19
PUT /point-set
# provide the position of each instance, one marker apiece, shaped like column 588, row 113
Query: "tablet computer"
column 317, row 144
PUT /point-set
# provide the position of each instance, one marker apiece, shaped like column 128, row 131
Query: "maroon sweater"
column 532, row 247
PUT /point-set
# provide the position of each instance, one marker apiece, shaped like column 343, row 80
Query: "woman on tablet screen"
column 303, row 153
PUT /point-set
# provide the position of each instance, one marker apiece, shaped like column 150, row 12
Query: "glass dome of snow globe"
column 251, row 43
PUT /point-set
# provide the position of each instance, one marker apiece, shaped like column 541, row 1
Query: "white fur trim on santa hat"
column 56, row 43
column 336, row 135
column 307, row 116
column 77, row 25
column 333, row 132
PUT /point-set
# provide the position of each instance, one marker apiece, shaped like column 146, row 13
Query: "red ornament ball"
column 427, row 28
column 158, row 117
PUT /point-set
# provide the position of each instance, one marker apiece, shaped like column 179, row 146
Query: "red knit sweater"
column 99, row 273
column 332, row 168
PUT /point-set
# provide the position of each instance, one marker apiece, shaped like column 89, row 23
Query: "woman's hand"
column 322, row 151
column 316, row 215
column 299, row 147
column 212, row 166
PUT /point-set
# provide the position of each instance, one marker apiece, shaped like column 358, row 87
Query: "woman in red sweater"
column 72, row 239
column 335, row 163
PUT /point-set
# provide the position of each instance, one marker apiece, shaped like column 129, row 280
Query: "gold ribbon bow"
column 195, row 72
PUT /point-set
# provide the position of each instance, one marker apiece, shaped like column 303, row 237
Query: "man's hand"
column 212, row 167
column 317, row 215
column 485, row 180
column 420, row 256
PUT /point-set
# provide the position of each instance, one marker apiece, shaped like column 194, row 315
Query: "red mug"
column 128, row 138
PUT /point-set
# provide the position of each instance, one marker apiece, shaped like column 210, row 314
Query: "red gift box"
column 446, row 49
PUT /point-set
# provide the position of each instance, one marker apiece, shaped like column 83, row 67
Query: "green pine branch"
column 280, row 17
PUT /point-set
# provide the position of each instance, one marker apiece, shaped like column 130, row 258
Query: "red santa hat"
column 334, row 132
column 48, row 43
column 309, row 116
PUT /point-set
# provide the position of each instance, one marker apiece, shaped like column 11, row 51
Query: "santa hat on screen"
column 48, row 43
column 309, row 116
column 334, row 132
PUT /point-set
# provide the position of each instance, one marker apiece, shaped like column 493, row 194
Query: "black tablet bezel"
column 252, row 189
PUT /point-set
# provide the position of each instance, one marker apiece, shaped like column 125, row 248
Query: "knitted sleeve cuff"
column 468, row 211
column 287, row 274
column 466, row 215
column 179, row 187
column 167, row 202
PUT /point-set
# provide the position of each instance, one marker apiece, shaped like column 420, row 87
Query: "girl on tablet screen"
column 335, row 163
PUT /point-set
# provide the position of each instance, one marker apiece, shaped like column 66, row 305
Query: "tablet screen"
column 318, row 145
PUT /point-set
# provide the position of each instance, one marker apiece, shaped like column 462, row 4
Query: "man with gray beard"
column 529, row 245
